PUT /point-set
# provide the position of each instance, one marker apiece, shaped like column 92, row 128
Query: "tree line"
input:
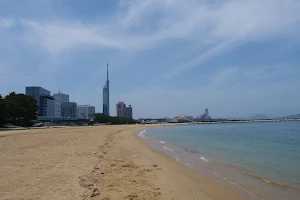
column 17, row 109
column 101, row 118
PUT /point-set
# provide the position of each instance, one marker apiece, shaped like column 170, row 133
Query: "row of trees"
column 17, row 109
column 101, row 118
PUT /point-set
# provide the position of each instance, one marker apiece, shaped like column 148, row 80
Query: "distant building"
column 206, row 112
column 128, row 112
column 59, row 99
column 69, row 109
column 205, row 115
column 189, row 117
column 106, row 95
column 153, row 121
column 121, row 109
column 183, row 118
column 44, row 100
column 85, row 111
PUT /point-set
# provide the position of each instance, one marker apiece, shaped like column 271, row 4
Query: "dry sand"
column 108, row 162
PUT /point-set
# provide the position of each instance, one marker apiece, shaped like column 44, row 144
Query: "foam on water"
column 142, row 133
column 204, row 159
column 236, row 185
column 188, row 165
column 176, row 158
column 167, row 148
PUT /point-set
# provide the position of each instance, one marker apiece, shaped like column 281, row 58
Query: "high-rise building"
column 128, row 112
column 69, row 109
column 85, row 111
column 205, row 115
column 206, row 112
column 106, row 95
column 121, row 109
column 59, row 99
column 44, row 100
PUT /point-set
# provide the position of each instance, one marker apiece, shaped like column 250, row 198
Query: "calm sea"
column 259, row 160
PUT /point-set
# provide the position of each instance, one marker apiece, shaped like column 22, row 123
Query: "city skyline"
column 174, row 57
column 58, row 105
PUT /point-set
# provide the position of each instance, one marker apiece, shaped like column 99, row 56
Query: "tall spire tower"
column 106, row 94
column 107, row 72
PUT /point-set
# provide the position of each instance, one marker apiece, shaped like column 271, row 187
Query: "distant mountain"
column 292, row 116
column 233, row 118
column 262, row 116
column 259, row 116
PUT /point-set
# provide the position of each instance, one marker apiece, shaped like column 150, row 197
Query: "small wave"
column 176, row 158
column 272, row 182
column 141, row 134
column 204, row 159
column 236, row 185
column 188, row 165
column 169, row 149
column 163, row 142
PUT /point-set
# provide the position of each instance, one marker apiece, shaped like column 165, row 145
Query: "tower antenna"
column 107, row 70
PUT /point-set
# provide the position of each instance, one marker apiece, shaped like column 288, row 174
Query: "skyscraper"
column 128, row 112
column 44, row 100
column 121, row 109
column 206, row 112
column 59, row 99
column 106, row 95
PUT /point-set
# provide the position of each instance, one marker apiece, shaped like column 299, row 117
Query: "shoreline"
column 211, row 186
column 241, row 180
column 108, row 162
column 188, row 158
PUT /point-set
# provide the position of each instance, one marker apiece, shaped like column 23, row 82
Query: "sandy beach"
column 106, row 162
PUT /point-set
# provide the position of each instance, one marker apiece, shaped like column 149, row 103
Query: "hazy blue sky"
column 166, row 57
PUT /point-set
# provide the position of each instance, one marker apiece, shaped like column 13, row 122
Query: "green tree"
column 21, row 109
column 3, row 112
column 101, row 118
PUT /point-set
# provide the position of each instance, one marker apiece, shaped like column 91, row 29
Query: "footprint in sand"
column 131, row 197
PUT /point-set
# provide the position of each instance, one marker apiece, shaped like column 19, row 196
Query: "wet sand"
column 107, row 162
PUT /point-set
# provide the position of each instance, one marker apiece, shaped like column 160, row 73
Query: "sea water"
column 260, row 160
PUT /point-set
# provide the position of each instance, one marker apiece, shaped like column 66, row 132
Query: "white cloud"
column 139, row 25
column 233, row 23
column 7, row 22
column 202, row 58
column 57, row 37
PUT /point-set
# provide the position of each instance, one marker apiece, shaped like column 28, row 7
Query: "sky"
column 238, row 58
